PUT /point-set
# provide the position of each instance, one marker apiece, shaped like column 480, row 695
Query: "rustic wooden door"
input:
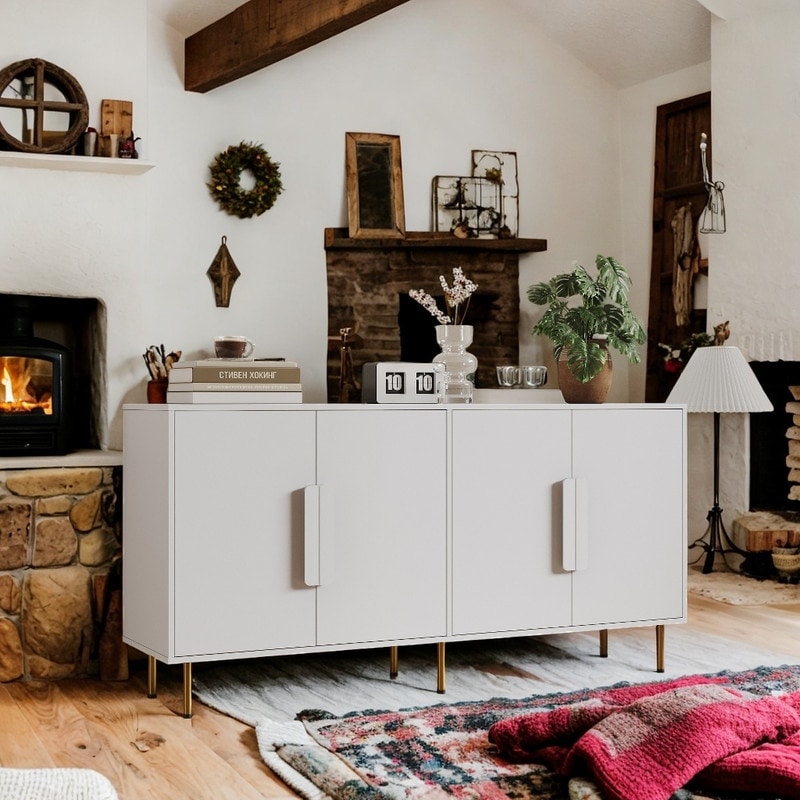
column 679, row 197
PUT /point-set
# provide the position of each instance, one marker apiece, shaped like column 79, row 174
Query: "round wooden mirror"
column 42, row 108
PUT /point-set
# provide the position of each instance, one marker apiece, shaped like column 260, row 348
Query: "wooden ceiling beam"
column 261, row 32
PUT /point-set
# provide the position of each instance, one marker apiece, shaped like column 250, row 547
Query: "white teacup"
column 233, row 347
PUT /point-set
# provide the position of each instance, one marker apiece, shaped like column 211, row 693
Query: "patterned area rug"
column 443, row 751
column 740, row 590
column 268, row 694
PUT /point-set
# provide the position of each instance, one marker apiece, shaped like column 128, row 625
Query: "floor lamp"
column 718, row 380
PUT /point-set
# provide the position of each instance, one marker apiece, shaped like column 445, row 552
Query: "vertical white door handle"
column 327, row 536
column 568, row 543
column 575, row 524
column 318, row 535
column 311, row 567
column 581, row 523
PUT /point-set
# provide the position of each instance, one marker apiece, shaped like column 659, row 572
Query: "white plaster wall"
column 439, row 75
column 754, row 279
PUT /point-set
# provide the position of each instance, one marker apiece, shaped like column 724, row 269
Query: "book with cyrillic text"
column 249, row 398
column 251, row 372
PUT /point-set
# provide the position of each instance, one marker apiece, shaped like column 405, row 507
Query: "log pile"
column 793, row 435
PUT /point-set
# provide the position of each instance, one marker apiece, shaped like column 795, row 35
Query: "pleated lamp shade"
column 719, row 379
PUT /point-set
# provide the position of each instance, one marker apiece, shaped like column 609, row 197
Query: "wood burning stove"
column 34, row 386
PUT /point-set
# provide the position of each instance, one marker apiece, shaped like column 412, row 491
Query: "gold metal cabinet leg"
column 440, row 667
column 604, row 643
column 151, row 676
column 394, row 659
column 187, row 690
column 659, row 648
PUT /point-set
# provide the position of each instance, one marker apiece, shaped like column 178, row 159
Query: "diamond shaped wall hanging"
column 223, row 273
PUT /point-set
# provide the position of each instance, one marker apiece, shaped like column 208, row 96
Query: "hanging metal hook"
column 712, row 219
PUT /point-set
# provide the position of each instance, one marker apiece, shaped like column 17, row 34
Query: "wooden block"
column 116, row 117
column 761, row 530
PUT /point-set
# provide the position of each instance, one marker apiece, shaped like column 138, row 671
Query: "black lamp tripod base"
column 715, row 539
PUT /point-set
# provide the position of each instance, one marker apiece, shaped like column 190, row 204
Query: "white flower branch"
column 456, row 298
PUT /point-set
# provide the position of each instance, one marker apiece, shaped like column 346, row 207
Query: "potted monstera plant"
column 584, row 316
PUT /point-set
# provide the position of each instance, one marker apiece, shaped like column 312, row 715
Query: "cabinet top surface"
column 378, row 407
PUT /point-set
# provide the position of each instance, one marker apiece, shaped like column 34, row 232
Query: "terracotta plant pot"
column 594, row 391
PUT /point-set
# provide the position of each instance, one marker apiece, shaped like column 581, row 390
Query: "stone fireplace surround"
column 60, row 541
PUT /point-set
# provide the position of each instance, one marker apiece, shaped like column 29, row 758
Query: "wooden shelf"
column 119, row 166
column 339, row 239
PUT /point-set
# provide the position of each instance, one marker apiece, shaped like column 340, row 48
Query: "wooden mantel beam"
column 261, row 32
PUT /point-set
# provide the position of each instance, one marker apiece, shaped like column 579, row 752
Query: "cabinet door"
column 507, row 471
column 631, row 462
column 383, row 573
column 239, row 480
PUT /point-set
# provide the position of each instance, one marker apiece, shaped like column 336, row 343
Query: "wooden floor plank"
column 74, row 741
column 231, row 740
column 19, row 744
column 772, row 628
column 157, row 746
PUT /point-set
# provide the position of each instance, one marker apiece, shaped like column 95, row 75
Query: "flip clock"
column 401, row 382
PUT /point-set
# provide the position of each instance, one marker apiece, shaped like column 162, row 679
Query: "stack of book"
column 222, row 380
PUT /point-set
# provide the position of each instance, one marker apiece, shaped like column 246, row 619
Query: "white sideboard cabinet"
column 263, row 530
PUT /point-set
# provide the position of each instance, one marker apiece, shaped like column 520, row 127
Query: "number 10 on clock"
column 424, row 383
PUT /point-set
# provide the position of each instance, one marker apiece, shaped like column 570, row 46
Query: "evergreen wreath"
column 225, row 186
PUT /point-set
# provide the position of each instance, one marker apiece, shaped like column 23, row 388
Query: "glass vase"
column 459, row 365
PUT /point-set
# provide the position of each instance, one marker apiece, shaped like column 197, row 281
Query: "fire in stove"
column 26, row 385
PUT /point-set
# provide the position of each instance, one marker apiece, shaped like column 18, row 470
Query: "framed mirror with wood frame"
column 374, row 186
column 43, row 108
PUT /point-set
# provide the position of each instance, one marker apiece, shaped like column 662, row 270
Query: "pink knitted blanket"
column 661, row 736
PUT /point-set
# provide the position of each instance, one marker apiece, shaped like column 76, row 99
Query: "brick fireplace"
column 368, row 284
